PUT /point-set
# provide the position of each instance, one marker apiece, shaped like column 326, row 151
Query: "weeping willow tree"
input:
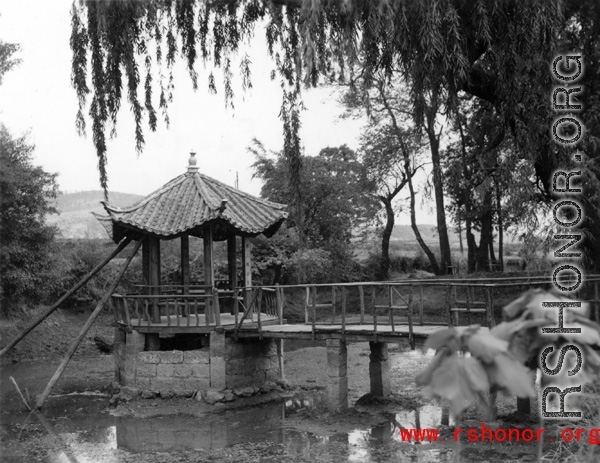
column 496, row 50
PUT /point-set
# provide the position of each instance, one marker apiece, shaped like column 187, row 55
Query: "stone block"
column 218, row 373
column 148, row 394
column 135, row 341
column 176, row 370
column 143, row 383
column 272, row 375
column 173, row 356
column 272, row 347
column 145, row 370
column 217, row 344
column 241, row 366
column 237, row 381
column 212, row 397
column 200, row 370
column 130, row 391
column 167, row 394
column 196, row 356
column 149, row 357
column 164, row 384
column 196, row 384
column 259, row 377
column 244, row 391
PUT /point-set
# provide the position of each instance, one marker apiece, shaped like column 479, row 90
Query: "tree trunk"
column 483, row 262
column 493, row 260
column 500, row 226
column 460, row 238
column 438, row 187
column 413, row 221
column 471, row 248
column 385, row 239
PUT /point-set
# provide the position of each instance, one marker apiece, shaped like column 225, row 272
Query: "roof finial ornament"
column 192, row 163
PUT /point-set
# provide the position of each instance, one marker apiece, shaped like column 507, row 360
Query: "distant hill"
column 75, row 219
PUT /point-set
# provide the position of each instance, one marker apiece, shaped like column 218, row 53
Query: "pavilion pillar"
column 247, row 268
column 185, row 263
column 146, row 263
column 209, row 272
column 153, row 339
column 232, row 261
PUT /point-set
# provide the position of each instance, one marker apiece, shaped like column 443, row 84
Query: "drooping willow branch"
column 122, row 49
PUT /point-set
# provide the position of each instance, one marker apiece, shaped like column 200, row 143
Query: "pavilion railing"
column 165, row 310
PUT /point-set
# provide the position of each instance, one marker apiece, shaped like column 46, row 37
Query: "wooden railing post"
column 421, row 305
column 236, row 306
column 411, row 336
column 449, row 304
column 259, row 310
column 279, row 303
column 343, row 313
column 314, row 310
column 306, row 305
column 490, row 312
column 332, row 304
column 391, row 305
column 216, row 308
column 597, row 301
column 361, row 293
column 374, row 300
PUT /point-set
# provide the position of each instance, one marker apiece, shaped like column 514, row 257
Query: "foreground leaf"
column 511, row 376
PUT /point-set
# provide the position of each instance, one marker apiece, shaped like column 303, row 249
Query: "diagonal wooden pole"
column 42, row 398
column 68, row 294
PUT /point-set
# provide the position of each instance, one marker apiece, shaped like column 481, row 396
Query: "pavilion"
column 190, row 205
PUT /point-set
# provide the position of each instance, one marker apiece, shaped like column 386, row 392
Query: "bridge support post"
column 337, row 365
column 280, row 357
column 379, row 369
column 134, row 344
column 218, row 376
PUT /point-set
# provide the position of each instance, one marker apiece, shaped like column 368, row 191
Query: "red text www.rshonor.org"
column 487, row 434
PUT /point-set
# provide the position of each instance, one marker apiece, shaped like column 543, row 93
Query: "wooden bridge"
column 353, row 311
column 374, row 312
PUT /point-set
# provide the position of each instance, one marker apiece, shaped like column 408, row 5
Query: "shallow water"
column 80, row 428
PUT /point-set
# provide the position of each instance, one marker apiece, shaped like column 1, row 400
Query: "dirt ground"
column 311, row 434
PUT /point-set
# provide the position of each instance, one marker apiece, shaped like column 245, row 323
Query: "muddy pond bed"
column 78, row 424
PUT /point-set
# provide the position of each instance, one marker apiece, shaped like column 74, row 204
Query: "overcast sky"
column 37, row 97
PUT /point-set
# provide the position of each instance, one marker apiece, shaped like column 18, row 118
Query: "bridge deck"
column 358, row 332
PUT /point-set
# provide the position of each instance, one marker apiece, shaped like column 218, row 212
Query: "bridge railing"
column 401, row 301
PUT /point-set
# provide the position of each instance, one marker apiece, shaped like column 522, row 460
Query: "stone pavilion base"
column 219, row 363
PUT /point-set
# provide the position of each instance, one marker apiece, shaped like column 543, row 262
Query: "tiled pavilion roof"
column 190, row 202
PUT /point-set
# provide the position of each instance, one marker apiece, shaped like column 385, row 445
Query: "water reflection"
column 74, row 432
